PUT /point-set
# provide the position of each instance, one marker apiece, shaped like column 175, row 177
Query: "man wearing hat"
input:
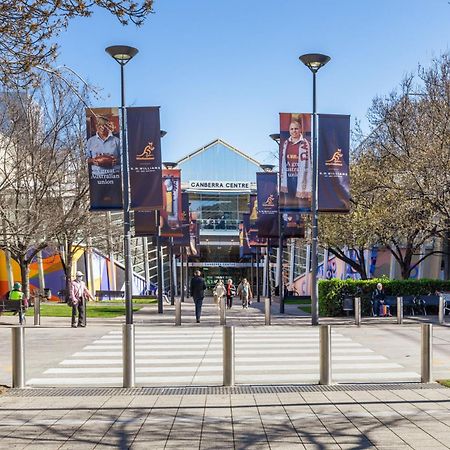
column 17, row 295
column 78, row 294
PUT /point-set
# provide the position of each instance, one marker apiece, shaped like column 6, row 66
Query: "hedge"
column 332, row 291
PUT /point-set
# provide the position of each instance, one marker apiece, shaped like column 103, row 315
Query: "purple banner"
column 295, row 162
column 144, row 152
column 267, row 188
column 293, row 225
column 103, row 153
column 333, row 166
column 184, row 239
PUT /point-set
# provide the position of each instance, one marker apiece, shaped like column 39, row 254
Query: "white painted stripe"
column 218, row 339
column 170, row 360
column 242, row 346
column 280, row 351
column 267, row 368
column 214, row 379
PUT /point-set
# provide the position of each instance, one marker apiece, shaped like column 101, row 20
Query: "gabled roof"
column 218, row 141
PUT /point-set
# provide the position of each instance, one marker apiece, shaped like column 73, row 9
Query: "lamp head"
column 163, row 133
column 314, row 61
column 275, row 137
column 267, row 167
column 121, row 53
column 170, row 165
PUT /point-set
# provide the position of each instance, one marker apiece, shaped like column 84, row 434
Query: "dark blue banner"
column 333, row 166
column 144, row 153
column 293, row 225
column 144, row 223
column 267, row 188
column 184, row 239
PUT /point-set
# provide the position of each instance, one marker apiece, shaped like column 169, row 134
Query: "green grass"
column 445, row 383
column 136, row 301
column 306, row 309
column 295, row 301
column 93, row 310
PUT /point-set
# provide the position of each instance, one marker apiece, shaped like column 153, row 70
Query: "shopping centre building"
column 219, row 179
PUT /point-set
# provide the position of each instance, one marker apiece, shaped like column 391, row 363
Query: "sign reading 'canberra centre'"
column 221, row 185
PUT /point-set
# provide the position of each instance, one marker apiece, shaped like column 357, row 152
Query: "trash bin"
column 47, row 293
column 347, row 305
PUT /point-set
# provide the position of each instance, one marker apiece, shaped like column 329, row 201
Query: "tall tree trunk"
column 25, row 274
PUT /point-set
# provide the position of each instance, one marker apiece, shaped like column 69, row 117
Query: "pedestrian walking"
column 218, row 292
column 78, row 295
column 230, row 292
column 197, row 290
column 245, row 292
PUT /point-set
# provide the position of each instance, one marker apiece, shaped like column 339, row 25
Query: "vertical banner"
column 295, row 162
column 253, row 208
column 244, row 241
column 267, row 189
column 103, row 153
column 144, row 153
column 172, row 211
column 145, row 223
column 184, row 240
column 333, row 165
column 293, row 225
column 194, row 239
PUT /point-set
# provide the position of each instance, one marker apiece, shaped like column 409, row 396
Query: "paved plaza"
column 74, row 397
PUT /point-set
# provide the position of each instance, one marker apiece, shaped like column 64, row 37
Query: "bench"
column 102, row 295
column 15, row 306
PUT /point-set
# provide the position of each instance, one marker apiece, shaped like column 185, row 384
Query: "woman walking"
column 245, row 292
column 230, row 291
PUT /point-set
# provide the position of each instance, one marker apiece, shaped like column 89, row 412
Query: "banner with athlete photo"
column 253, row 208
column 172, row 211
column 145, row 223
column 267, row 188
column 103, row 156
column 144, row 157
column 295, row 162
column 333, row 173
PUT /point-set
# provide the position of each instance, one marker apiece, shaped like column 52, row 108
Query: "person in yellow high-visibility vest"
column 16, row 294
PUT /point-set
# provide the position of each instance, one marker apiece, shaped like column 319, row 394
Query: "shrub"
column 332, row 291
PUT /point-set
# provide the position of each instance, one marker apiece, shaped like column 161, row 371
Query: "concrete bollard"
column 222, row 311
column 399, row 310
column 441, row 314
column 18, row 357
column 267, row 311
column 427, row 353
column 129, row 377
column 358, row 311
column 228, row 356
column 37, row 311
column 325, row 354
column 177, row 311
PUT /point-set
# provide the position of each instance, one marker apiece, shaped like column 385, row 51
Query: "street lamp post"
column 314, row 61
column 276, row 137
column 123, row 54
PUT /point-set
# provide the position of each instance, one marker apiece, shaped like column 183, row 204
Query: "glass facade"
column 218, row 162
column 219, row 210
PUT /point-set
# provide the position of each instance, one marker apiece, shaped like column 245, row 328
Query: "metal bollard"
column 18, row 357
column 358, row 311
column 267, row 311
column 228, row 356
column 325, row 354
column 128, row 355
column 427, row 353
column 37, row 311
column 178, row 311
column 399, row 310
column 441, row 316
column 222, row 311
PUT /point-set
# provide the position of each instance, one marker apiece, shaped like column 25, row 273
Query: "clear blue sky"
column 226, row 68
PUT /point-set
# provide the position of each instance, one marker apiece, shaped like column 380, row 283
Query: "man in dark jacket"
column 198, row 287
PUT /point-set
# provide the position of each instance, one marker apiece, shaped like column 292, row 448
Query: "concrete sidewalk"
column 264, row 417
